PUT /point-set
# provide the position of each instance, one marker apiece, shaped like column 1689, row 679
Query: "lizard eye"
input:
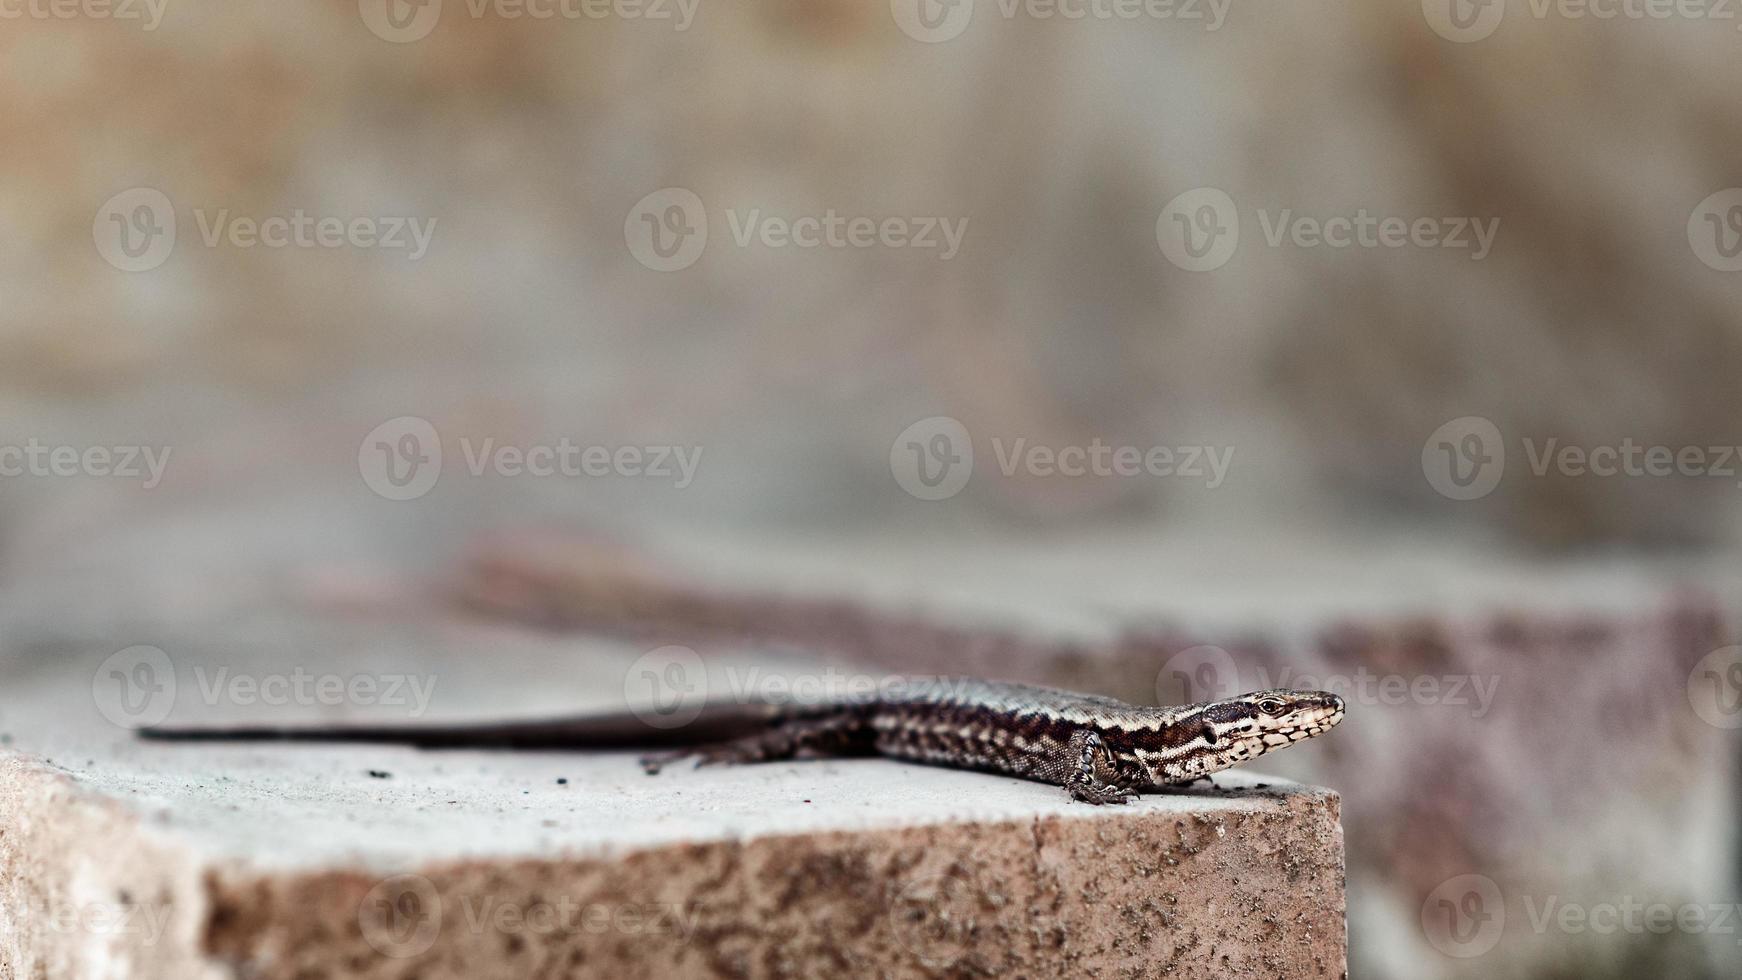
column 1272, row 706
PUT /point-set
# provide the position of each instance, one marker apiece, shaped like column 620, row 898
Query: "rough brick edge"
column 1257, row 890
column 87, row 890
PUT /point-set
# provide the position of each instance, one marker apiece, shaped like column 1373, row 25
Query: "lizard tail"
column 627, row 731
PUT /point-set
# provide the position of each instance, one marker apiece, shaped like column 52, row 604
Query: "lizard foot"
column 652, row 764
column 1100, row 794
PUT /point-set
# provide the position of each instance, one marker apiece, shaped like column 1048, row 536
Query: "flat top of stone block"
column 388, row 807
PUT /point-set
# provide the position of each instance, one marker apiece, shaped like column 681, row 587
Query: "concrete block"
column 128, row 861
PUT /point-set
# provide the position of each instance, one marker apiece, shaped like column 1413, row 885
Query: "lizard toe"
column 652, row 764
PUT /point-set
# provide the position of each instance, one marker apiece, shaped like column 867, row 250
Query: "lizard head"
column 1229, row 732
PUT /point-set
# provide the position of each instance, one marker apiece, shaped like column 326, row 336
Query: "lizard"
column 1098, row 749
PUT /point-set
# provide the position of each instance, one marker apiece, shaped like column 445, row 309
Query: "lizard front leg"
column 1092, row 777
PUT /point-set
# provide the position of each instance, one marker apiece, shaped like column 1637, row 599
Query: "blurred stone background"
column 1598, row 151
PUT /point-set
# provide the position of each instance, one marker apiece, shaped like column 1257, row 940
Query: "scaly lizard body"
column 1099, row 749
